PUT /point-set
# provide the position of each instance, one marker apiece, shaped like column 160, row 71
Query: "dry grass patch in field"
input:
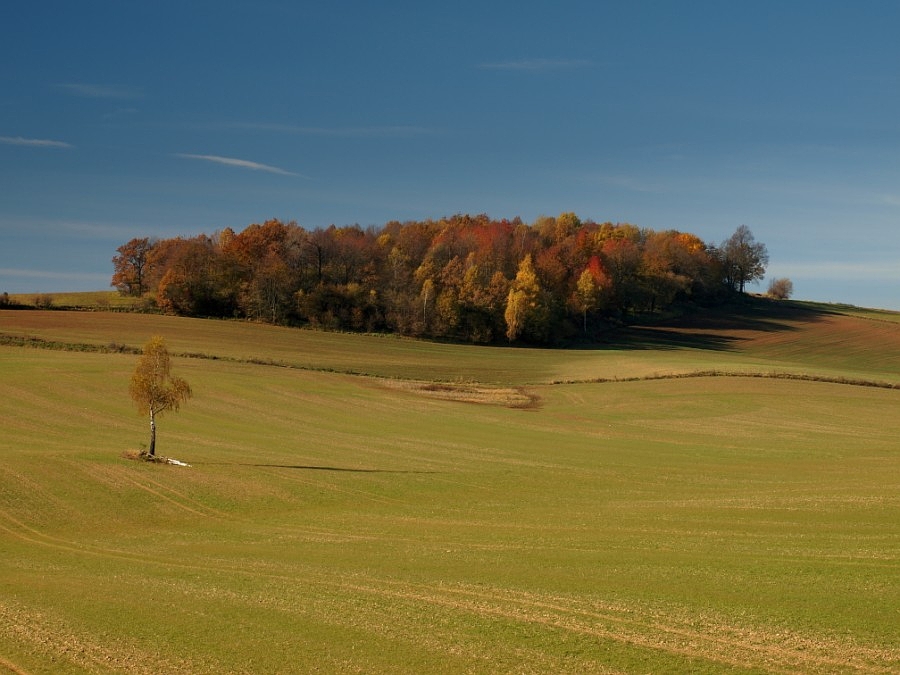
column 509, row 397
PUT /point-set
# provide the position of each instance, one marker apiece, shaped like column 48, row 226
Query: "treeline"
column 464, row 277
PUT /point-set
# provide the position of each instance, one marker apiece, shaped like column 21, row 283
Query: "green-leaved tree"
column 153, row 388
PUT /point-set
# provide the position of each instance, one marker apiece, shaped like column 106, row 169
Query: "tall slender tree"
column 527, row 313
column 153, row 388
column 586, row 295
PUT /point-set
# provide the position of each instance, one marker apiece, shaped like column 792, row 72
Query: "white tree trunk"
column 152, row 451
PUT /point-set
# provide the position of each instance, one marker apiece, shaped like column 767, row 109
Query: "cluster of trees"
column 464, row 277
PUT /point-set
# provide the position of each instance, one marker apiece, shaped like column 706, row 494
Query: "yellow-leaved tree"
column 153, row 388
column 527, row 311
column 587, row 295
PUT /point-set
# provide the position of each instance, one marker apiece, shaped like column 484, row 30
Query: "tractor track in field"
column 662, row 631
column 50, row 639
column 678, row 633
column 25, row 533
column 179, row 500
column 6, row 664
column 713, row 640
column 716, row 641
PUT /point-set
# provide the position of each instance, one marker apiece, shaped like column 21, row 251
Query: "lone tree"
column 745, row 259
column 153, row 388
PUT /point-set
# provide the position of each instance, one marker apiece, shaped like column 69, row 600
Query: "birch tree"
column 153, row 388
column 527, row 312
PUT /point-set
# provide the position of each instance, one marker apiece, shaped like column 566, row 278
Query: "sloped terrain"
column 456, row 512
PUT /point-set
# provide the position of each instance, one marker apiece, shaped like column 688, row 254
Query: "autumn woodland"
column 469, row 278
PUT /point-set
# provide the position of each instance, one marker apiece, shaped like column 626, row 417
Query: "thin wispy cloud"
column 85, row 230
column 70, row 230
column 535, row 65
column 90, row 230
column 832, row 270
column 398, row 131
column 34, row 142
column 54, row 275
column 101, row 90
column 239, row 163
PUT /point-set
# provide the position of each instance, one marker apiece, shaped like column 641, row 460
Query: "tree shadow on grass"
column 661, row 339
column 316, row 467
column 313, row 467
column 717, row 329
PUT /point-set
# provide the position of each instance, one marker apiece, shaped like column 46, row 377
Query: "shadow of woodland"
column 719, row 329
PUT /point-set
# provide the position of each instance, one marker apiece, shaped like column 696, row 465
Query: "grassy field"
column 103, row 300
column 375, row 504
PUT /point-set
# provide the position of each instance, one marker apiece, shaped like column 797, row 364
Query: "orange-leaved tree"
column 153, row 388
column 132, row 265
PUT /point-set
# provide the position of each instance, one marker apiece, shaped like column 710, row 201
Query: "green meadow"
column 713, row 494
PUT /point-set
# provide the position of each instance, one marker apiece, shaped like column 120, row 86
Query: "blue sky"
column 121, row 119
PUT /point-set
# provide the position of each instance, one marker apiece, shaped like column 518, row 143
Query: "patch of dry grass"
column 509, row 397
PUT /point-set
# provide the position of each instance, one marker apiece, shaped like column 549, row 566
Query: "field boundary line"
column 10, row 340
column 771, row 375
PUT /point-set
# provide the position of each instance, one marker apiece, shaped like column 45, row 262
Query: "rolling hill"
column 715, row 493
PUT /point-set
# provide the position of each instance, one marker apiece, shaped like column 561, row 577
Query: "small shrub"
column 146, row 304
column 43, row 301
column 781, row 288
column 4, row 299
